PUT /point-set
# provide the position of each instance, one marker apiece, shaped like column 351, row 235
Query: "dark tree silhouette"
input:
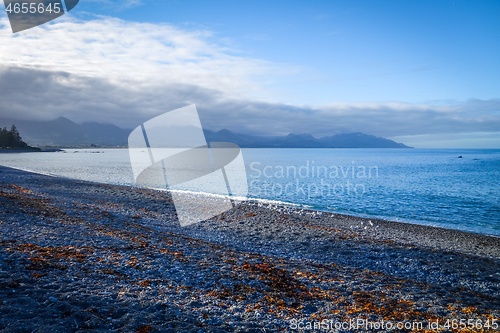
column 11, row 138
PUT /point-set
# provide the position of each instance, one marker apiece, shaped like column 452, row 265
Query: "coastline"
column 40, row 150
column 273, row 264
column 415, row 207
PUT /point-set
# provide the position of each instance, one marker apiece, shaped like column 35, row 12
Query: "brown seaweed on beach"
column 97, row 262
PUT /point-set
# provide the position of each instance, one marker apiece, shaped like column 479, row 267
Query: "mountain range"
column 351, row 140
column 62, row 132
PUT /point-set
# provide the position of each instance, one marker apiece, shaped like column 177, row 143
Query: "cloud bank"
column 109, row 70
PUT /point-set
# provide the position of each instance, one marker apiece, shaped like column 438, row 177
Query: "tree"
column 16, row 137
column 11, row 138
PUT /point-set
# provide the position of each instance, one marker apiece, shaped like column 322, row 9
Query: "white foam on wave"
column 281, row 206
column 199, row 194
column 235, row 198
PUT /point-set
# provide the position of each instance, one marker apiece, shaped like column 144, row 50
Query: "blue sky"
column 351, row 51
column 425, row 73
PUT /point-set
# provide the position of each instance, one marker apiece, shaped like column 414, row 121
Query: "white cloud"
column 109, row 70
column 130, row 52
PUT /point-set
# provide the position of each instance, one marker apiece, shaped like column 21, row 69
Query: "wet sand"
column 80, row 256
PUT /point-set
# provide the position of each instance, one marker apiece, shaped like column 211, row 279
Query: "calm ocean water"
column 423, row 186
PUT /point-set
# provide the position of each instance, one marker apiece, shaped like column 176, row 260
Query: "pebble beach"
column 78, row 256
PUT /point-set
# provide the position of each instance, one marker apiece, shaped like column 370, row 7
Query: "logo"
column 170, row 152
column 25, row 14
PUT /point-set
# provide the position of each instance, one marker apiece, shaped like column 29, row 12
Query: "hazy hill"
column 352, row 140
column 63, row 132
column 359, row 140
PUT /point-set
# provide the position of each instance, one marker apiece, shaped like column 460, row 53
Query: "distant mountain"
column 63, row 132
column 359, row 140
column 352, row 140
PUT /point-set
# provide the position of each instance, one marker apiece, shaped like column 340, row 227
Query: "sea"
column 450, row 188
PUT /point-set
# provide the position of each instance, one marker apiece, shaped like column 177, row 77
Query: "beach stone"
column 130, row 266
column 309, row 308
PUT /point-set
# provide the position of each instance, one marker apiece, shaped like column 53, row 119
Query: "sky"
column 424, row 73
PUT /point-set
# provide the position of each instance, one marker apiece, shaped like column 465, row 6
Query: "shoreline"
column 352, row 220
column 40, row 150
column 110, row 257
column 289, row 205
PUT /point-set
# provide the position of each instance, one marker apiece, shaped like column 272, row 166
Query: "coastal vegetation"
column 11, row 139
